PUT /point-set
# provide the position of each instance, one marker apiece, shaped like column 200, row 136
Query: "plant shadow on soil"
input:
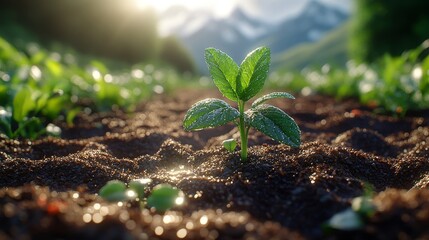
column 280, row 193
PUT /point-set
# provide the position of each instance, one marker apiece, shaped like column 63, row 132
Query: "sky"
column 269, row 10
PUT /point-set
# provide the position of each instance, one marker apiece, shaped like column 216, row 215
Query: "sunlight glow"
column 165, row 4
column 219, row 7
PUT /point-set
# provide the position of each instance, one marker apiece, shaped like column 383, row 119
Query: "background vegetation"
column 110, row 57
column 388, row 26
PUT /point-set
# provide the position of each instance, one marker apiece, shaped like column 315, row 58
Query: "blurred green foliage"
column 392, row 84
column 388, row 26
column 38, row 86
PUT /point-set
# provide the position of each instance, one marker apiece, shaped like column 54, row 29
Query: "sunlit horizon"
column 269, row 11
column 218, row 7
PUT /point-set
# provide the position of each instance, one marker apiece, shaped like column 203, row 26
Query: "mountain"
column 311, row 25
column 199, row 30
column 239, row 33
column 332, row 48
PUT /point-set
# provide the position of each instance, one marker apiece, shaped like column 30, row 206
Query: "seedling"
column 24, row 118
column 162, row 197
column 138, row 186
column 230, row 144
column 240, row 84
column 113, row 191
column 36, row 89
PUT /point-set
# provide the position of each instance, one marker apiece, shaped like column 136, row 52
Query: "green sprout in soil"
column 24, row 118
column 230, row 144
column 161, row 198
column 113, row 191
column 240, row 84
column 164, row 197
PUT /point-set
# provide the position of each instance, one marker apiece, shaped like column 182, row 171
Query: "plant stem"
column 243, row 132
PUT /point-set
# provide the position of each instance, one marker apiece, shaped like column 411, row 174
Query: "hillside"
column 330, row 49
column 240, row 32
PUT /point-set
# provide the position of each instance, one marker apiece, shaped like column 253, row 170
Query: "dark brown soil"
column 48, row 185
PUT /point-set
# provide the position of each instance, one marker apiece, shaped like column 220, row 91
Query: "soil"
column 49, row 186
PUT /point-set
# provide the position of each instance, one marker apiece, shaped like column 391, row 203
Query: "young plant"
column 29, row 110
column 164, row 196
column 113, row 191
column 240, row 84
column 230, row 144
column 161, row 198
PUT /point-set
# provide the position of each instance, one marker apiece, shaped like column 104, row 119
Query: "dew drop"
column 97, row 218
column 189, row 225
column 159, row 230
column 87, row 217
column 97, row 206
column 167, row 219
column 182, row 233
column 204, row 220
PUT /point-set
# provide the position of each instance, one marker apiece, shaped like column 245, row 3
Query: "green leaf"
column 4, row 93
column 209, row 113
column 5, row 123
column 138, row 186
column 54, row 67
column 275, row 123
column 364, row 206
column 230, row 144
column 113, row 191
column 53, row 107
column 41, row 101
column 252, row 73
column 164, row 197
column 224, row 72
column 23, row 104
column 30, row 128
column 272, row 95
column 71, row 114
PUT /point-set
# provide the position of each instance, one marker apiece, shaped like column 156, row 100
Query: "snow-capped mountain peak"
column 241, row 32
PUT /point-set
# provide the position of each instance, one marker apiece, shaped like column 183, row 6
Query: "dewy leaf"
column 272, row 95
column 22, row 104
column 252, row 73
column 209, row 113
column 224, row 72
column 275, row 123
